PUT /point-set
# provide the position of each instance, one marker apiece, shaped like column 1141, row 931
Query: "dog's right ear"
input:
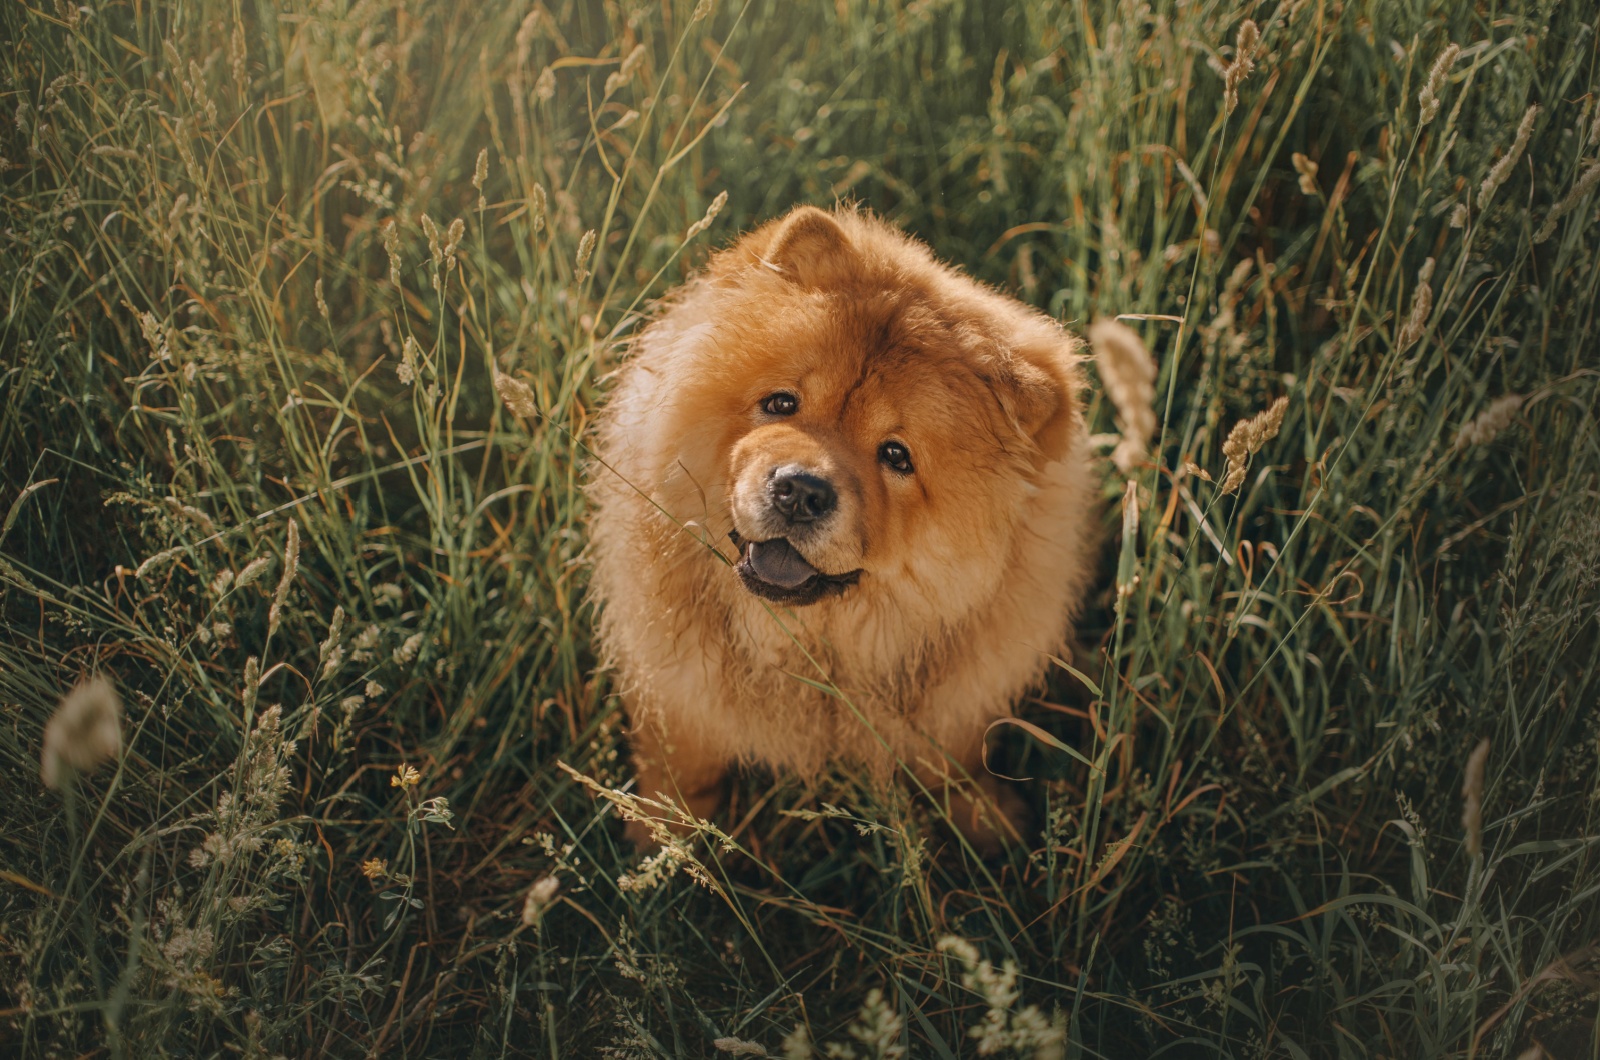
column 809, row 248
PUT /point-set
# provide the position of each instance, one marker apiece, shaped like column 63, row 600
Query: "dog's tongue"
column 777, row 563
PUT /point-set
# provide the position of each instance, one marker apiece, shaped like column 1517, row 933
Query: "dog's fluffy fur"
column 966, row 569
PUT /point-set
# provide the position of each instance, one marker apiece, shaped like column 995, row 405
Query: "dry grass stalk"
column 1129, row 375
column 84, row 732
column 1247, row 438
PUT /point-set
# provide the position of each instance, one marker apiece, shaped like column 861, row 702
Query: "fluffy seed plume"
column 452, row 239
column 1308, row 173
column 1429, row 96
column 157, row 561
column 585, row 249
column 1458, row 216
column 739, row 1047
column 1502, row 169
column 252, row 571
column 1246, row 440
column 516, row 396
column 84, row 732
column 1244, row 61
column 291, row 568
column 1569, row 202
column 1129, row 375
column 1416, row 323
column 711, row 215
column 540, row 897
column 1472, row 798
column 1486, row 426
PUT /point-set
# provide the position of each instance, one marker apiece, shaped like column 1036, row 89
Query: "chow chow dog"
column 841, row 516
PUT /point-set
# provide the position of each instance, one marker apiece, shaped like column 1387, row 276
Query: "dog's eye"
column 896, row 456
column 780, row 404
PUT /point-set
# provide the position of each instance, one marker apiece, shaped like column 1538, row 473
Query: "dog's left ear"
column 1041, row 394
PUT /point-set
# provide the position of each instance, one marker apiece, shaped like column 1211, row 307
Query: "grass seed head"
column 516, row 395
column 1416, row 323
column 291, row 568
column 84, row 732
column 1472, row 798
column 1129, row 375
column 1486, row 426
column 1502, row 169
column 1429, row 96
column 1569, row 202
column 585, row 249
column 711, row 214
column 391, row 246
column 540, row 207
column 1244, row 61
column 1247, row 438
column 1308, row 173
column 541, row 896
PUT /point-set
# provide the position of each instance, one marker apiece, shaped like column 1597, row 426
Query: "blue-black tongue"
column 777, row 563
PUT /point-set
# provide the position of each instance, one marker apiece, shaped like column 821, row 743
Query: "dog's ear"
column 1040, row 392
column 809, row 248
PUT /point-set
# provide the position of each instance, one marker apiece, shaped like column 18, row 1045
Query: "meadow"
column 1321, row 779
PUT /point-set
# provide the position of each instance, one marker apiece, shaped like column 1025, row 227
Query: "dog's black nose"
column 801, row 497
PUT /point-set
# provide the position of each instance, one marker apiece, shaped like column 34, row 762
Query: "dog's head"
column 871, row 417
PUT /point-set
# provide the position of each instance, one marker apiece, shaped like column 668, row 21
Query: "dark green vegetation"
column 204, row 338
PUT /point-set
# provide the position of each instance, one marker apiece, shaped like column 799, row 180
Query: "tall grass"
column 263, row 264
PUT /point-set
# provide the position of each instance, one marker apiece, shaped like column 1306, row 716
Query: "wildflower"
column 480, row 173
column 1458, row 216
column 291, row 568
column 540, row 207
column 84, row 731
column 516, row 395
column 585, row 248
column 1247, row 438
column 1308, row 173
column 545, row 87
column 1244, row 61
column 624, row 73
column 391, row 246
column 405, row 778
column 1421, row 308
column 410, row 357
column 1472, row 798
column 373, row 868
column 1429, row 96
column 1129, row 375
column 1487, row 425
column 1502, row 169
column 540, row 897
column 1569, row 202
column 711, row 213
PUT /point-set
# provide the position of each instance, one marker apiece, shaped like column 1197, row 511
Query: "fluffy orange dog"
column 833, row 458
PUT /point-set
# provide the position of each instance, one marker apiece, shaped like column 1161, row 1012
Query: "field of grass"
column 261, row 263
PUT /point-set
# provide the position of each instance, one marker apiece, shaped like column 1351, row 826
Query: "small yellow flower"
column 405, row 778
column 372, row 868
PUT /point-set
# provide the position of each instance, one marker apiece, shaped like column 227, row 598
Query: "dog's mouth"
column 776, row 571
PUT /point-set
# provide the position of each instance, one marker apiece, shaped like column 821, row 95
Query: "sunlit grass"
column 263, row 268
